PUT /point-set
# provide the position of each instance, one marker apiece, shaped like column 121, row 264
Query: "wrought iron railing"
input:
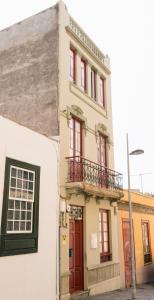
column 84, row 170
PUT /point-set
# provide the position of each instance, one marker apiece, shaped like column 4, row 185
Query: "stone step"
column 80, row 295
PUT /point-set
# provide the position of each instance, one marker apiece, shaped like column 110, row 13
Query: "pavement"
column 144, row 292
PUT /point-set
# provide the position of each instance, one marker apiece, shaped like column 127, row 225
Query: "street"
column 144, row 292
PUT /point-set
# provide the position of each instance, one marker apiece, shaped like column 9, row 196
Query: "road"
column 144, row 292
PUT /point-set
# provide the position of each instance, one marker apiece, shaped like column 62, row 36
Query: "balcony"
column 91, row 173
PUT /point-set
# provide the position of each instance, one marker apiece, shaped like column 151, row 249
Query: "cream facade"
column 89, row 196
column 21, row 275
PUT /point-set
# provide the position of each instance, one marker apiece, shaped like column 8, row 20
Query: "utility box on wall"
column 94, row 241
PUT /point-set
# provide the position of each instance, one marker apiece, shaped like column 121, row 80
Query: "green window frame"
column 20, row 211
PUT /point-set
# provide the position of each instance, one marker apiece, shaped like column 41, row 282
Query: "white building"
column 28, row 210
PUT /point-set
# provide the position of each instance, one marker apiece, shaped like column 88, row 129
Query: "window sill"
column 17, row 252
column 90, row 101
column 148, row 263
column 72, row 82
column 101, row 265
column 13, row 244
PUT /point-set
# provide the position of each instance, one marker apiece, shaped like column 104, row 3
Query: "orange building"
column 143, row 229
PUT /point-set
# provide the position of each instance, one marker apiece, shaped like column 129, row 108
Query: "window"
column 75, row 163
column 20, row 208
column 104, row 242
column 102, row 92
column 75, row 127
column 83, row 75
column 93, row 85
column 72, row 66
column 103, row 178
column 146, row 242
column 102, row 155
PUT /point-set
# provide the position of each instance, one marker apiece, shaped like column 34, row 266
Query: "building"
column 56, row 81
column 29, row 208
column 143, row 224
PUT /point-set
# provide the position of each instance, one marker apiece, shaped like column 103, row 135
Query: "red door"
column 76, row 255
column 127, row 253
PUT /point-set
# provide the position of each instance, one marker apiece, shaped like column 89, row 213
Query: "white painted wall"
column 32, row 276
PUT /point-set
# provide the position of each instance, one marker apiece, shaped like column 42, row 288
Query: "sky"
column 123, row 29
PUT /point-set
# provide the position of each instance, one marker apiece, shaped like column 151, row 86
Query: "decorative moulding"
column 82, row 36
column 77, row 112
column 101, row 128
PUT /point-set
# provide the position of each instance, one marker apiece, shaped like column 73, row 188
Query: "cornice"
column 136, row 207
column 90, row 46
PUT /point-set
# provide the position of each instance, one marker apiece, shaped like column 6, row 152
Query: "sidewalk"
column 144, row 292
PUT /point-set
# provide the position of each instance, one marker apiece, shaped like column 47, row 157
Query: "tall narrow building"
column 56, row 81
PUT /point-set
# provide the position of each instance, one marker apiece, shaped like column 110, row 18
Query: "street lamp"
column 135, row 152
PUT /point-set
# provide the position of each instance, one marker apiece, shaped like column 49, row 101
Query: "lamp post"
column 135, row 152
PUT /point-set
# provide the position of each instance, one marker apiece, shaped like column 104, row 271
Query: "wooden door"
column 127, row 252
column 76, row 255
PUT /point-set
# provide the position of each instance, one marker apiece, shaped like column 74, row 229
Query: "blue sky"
column 124, row 30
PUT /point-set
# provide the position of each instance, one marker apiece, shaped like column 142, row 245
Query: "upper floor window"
column 75, row 145
column 75, row 127
column 20, row 200
column 146, row 242
column 20, row 208
column 104, row 239
column 72, row 65
column 83, row 75
column 102, row 153
column 93, row 84
column 102, row 92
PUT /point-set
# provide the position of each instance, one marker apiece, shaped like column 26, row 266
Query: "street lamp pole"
column 131, row 227
column 135, row 152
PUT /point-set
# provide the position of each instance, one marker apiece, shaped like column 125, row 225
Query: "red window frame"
column 72, row 65
column 73, row 136
column 84, row 75
column 102, row 141
column 146, row 243
column 102, row 92
column 93, row 84
column 104, row 236
column 75, row 163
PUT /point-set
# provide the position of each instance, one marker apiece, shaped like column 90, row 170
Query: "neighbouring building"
column 29, row 208
column 143, row 224
column 56, row 81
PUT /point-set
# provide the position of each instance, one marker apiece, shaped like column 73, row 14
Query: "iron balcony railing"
column 84, row 170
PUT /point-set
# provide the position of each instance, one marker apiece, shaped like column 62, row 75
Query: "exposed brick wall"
column 29, row 72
